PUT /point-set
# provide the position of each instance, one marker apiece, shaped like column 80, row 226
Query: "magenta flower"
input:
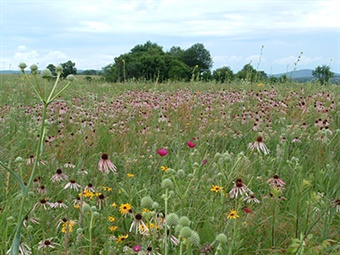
column 162, row 152
column 191, row 144
column 204, row 162
column 136, row 248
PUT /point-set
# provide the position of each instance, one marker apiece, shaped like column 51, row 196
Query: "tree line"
column 149, row 62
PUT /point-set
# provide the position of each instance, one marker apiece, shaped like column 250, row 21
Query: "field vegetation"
column 168, row 168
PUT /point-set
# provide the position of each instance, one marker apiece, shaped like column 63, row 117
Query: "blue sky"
column 92, row 33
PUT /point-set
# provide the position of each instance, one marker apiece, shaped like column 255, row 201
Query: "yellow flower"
column 260, row 84
column 111, row 219
column 107, row 188
column 121, row 238
column 164, row 168
column 233, row 215
column 113, row 228
column 68, row 226
column 216, row 188
column 130, row 175
column 125, row 208
column 89, row 194
column 146, row 210
column 114, row 205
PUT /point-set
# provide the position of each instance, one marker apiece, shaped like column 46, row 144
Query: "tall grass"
column 299, row 124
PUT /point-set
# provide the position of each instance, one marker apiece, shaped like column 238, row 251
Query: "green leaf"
column 22, row 185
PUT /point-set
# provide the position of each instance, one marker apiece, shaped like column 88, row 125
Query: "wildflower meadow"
column 88, row 167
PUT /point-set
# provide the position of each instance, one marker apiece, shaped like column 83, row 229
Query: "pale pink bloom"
column 137, row 222
column 32, row 220
column 69, row 164
column 251, row 198
column 276, row 182
column 105, row 165
column 337, row 205
column 239, row 189
column 259, row 145
column 59, row 176
column 89, row 187
column 59, row 204
column 72, row 185
column 47, row 244
column 43, row 203
column 24, row 249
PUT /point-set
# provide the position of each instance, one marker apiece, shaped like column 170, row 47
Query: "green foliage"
column 68, row 68
column 249, row 73
column 323, row 74
column 150, row 62
column 223, row 74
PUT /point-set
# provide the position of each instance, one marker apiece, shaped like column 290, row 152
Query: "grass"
column 180, row 195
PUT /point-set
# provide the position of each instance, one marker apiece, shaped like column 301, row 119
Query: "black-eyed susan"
column 217, row 188
column 111, row 219
column 130, row 175
column 125, row 208
column 113, row 228
column 164, row 168
column 233, row 215
column 107, row 188
column 121, row 238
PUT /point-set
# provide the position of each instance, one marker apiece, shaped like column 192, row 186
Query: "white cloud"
column 292, row 60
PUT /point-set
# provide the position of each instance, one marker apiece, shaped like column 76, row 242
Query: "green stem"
column 166, row 228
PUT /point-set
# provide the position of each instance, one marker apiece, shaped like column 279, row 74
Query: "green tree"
column 223, row 74
column 68, row 68
column 52, row 68
column 248, row 73
column 323, row 74
column 197, row 55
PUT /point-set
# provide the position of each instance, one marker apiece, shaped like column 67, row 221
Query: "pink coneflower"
column 105, row 165
column 59, row 204
column 259, row 145
column 47, row 244
column 276, row 182
column 72, row 184
column 191, row 144
column 69, row 164
column 31, row 219
column 251, row 198
column 43, row 203
column 162, row 152
column 59, row 176
column 239, row 189
column 137, row 222
column 89, row 187
column 24, row 249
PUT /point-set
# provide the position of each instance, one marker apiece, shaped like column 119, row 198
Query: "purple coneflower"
column 43, row 203
column 251, row 198
column 259, row 145
column 47, row 244
column 59, row 176
column 337, row 205
column 72, row 184
column 239, row 189
column 137, row 222
column 105, row 165
column 276, row 182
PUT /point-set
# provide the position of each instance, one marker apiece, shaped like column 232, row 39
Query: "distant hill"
column 305, row 75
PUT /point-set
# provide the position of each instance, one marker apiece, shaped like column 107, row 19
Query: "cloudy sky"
column 92, row 33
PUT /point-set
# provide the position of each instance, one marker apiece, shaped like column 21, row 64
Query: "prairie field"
column 169, row 168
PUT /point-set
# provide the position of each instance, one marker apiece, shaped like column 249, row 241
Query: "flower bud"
column 167, row 183
column 86, row 207
column 194, row 238
column 172, row 219
column 18, row 159
column 22, row 66
column 155, row 205
column 34, row 69
column 222, row 238
column 79, row 231
column 184, row 221
column 146, row 202
column 185, row 232
column 46, row 74
column 59, row 69
column 70, row 77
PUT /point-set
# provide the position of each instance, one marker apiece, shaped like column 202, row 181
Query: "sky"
column 275, row 36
